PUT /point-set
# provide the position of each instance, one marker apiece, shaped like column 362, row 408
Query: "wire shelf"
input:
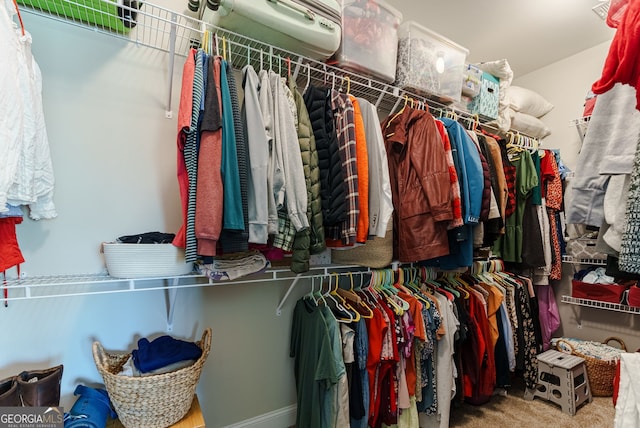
column 175, row 33
column 601, row 305
column 47, row 286
column 596, row 262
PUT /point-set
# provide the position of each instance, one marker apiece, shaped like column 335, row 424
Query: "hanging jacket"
column 332, row 188
column 309, row 154
column 258, row 143
column 380, row 203
column 420, row 185
column 274, row 172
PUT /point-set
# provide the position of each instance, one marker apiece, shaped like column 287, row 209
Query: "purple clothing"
column 549, row 313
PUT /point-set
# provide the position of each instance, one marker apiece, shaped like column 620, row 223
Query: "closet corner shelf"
column 601, row 305
column 595, row 262
column 39, row 287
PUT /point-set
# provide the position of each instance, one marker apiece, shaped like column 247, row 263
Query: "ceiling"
column 529, row 34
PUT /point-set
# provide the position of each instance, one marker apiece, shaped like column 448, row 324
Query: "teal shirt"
column 233, row 218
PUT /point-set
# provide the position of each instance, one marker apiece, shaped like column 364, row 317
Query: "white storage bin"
column 369, row 39
column 429, row 63
column 144, row 260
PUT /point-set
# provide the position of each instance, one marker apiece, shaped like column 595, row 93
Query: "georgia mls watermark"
column 31, row 417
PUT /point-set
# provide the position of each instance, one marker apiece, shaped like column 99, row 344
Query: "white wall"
column 565, row 84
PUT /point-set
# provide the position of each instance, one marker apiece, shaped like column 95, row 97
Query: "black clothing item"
column 333, row 190
column 147, row 238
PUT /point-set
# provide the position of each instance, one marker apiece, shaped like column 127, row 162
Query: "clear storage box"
column 429, row 63
column 369, row 39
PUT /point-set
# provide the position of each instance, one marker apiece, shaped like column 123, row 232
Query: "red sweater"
column 623, row 63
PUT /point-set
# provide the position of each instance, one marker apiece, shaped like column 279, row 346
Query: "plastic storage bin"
column 471, row 81
column 369, row 42
column 486, row 103
column 429, row 63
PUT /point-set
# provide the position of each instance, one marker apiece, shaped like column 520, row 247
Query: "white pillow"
column 527, row 101
column 528, row 125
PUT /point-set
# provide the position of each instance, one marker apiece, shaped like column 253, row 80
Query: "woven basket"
column 154, row 401
column 600, row 372
column 376, row 253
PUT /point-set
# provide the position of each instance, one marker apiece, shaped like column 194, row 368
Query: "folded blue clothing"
column 163, row 351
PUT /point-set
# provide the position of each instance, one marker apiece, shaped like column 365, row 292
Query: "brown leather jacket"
column 420, row 185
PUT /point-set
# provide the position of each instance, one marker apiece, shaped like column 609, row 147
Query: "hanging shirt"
column 258, row 143
column 380, row 204
column 235, row 240
column 26, row 169
column 209, row 191
column 343, row 114
column 233, row 217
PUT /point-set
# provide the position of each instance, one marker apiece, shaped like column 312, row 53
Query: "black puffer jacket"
column 309, row 154
column 332, row 188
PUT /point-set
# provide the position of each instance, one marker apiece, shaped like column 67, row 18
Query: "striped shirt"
column 191, row 158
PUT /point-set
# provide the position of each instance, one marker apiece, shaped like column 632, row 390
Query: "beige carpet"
column 514, row 411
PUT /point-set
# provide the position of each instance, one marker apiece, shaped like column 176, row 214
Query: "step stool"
column 562, row 379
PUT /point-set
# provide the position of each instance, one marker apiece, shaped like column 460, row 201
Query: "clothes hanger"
column 350, row 295
column 15, row 3
column 404, row 106
column 333, row 304
column 306, row 86
column 348, row 308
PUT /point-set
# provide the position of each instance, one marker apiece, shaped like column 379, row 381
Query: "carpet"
column 513, row 410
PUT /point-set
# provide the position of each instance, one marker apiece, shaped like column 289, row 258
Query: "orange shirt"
column 362, row 162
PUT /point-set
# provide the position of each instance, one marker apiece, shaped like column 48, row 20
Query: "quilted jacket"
column 332, row 187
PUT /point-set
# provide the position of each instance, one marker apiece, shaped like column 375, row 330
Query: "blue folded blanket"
column 163, row 351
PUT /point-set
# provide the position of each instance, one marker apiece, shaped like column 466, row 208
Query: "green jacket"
column 310, row 241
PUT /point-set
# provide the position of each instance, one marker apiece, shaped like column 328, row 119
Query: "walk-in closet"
column 331, row 214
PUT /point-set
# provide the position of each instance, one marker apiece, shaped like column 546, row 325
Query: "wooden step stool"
column 562, row 379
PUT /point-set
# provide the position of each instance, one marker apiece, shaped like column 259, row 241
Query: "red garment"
column 10, row 254
column 184, row 123
column 623, row 60
column 376, row 329
column 456, row 202
column 209, row 191
column 482, row 390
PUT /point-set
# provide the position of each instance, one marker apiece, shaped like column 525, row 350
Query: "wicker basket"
column 600, row 372
column 154, row 401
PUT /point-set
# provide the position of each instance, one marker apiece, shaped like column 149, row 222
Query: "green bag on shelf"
column 116, row 15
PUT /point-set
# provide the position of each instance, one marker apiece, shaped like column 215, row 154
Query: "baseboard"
column 281, row 418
